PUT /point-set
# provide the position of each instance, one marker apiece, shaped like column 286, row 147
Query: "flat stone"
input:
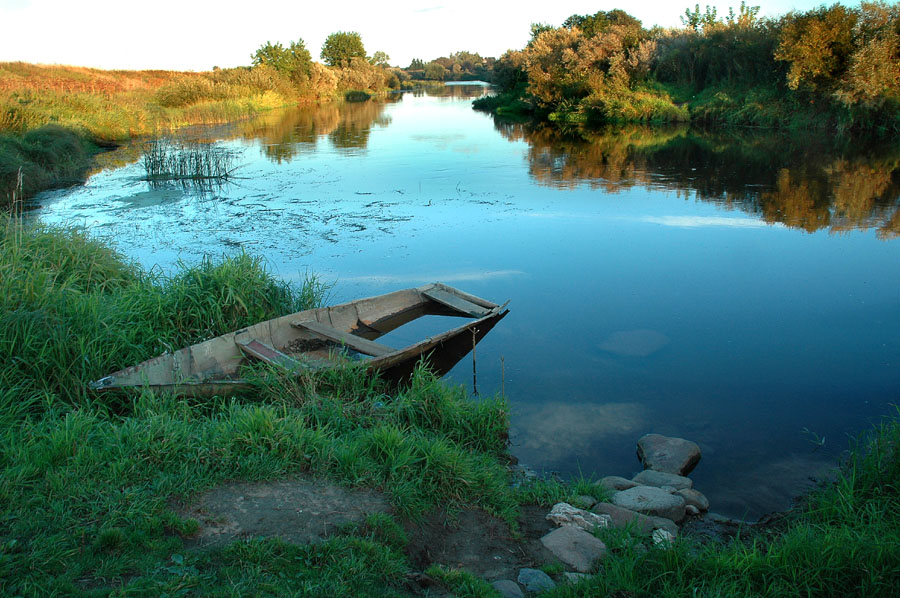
column 694, row 498
column 650, row 500
column 575, row 547
column 670, row 455
column 508, row 588
column 621, row 518
column 564, row 514
column 536, row 580
column 614, row 483
column 661, row 479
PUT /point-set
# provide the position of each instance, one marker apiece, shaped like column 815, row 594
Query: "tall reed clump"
column 72, row 309
column 166, row 159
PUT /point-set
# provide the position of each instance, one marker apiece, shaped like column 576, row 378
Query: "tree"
column 416, row 64
column 380, row 58
column 435, row 72
column 293, row 61
column 340, row 47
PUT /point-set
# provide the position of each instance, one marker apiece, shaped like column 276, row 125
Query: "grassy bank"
column 91, row 485
column 54, row 119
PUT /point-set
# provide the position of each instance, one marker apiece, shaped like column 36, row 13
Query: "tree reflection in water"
column 800, row 182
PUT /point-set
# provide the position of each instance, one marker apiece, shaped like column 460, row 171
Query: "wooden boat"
column 318, row 338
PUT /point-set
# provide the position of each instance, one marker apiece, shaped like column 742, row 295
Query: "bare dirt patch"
column 307, row 510
column 301, row 511
column 480, row 543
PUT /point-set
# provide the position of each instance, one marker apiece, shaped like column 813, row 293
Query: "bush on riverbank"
column 827, row 67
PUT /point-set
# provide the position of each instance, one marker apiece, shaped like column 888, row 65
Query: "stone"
column 661, row 479
column 564, row 514
column 508, row 588
column 614, row 483
column 692, row 497
column 666, row 524
column 662, row 538
column 575, row 547
column 650, row 500
column 583, row 501
column 573, row 578
column 621, row 518
column 536, row 580
column 691, row 510
column 669, row 455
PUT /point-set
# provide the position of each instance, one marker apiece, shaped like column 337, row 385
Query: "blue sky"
column 200, row 34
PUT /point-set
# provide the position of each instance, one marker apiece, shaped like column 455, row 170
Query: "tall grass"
column 87, row 482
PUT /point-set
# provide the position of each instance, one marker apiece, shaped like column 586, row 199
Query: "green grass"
column 88, row 482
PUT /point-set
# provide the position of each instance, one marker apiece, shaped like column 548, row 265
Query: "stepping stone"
column 650, row 500
column 575, row 547
column 670, row 455
column 650, row 477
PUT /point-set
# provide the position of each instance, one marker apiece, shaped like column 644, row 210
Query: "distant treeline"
column 459, row 66
column 832, row 66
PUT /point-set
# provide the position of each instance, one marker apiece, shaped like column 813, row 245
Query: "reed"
column 199, row 167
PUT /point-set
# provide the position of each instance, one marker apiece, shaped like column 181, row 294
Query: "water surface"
column 739, row 290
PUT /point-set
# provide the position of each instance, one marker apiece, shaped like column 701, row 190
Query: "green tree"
column 380, row 58
column 340, row 47
column 416, row 64
column 817, row 45
column 435, row 72
column 294, row 61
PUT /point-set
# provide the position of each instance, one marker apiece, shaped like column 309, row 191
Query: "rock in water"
column 651, row 477
column 669, row 455
column 694, row 498
column 564, row 514
column 536, row 580
column 651, row 501
column 634, row 343
column 575, row 547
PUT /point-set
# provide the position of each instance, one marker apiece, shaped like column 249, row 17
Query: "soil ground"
column 307, row 510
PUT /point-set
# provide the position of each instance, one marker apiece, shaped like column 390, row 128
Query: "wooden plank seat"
column 357, row 343
column 263, row 352
column 456, row 302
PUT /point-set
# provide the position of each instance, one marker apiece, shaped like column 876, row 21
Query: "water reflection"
column 661, row 279
column 808, row 183
column 284, row 135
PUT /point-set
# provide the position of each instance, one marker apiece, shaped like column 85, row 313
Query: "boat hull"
column 311, row 339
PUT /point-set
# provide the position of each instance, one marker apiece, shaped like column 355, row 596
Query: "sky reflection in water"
column 660, row 282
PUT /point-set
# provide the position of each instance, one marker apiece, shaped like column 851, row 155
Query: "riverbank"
column 55, row 119
column 829, row 68
column 97, row 492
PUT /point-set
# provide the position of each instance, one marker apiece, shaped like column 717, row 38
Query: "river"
column 738, row 289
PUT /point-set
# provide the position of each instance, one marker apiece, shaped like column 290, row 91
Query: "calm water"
column 739, row 291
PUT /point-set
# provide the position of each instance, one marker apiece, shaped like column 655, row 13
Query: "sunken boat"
column 321, row 338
